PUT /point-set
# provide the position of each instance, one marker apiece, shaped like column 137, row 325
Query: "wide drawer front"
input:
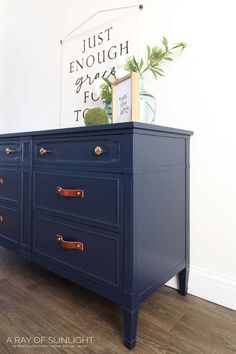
column 95, row 255
column 84, row 151
column 10, row 151
column 92, row 198
column 9, row 224
column 10, row 184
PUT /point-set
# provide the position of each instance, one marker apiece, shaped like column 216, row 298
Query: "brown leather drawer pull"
column 79, row 193
column 69, row 244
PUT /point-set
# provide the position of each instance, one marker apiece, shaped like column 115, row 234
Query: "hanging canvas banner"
column 91, row 54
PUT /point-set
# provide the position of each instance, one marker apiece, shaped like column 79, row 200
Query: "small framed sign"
column 125, row 99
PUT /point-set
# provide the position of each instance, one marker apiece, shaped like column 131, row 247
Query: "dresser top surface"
column 100, row 129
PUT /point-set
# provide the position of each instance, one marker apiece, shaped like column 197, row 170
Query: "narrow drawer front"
column 85, row 151
column 10, row 152
column 9, row 224
column 99, row 257
column 99, row 201
column 10, row 184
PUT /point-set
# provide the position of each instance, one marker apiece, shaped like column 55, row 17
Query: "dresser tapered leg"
column 130, row 327
column 183, row 281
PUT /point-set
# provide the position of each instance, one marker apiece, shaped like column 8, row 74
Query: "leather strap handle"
column 79, row 193
column 73, row 245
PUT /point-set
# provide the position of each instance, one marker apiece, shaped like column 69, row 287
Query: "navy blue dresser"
column 106, row 207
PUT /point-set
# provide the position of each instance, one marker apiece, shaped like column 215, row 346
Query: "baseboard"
column 210, row 286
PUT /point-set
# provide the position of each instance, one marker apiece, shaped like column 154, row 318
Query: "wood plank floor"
column 35, row 303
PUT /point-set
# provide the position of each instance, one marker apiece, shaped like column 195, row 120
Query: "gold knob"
column 43, row 151
column 98, row 150
column 1, row 218
column 1, row 180
column 9, row 151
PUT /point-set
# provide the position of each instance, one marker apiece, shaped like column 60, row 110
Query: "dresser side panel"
column 159, row 210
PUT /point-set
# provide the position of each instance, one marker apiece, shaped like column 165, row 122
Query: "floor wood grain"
column 36, row 303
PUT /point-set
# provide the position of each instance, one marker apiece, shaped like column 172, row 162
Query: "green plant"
column 155, row 56
column 106, row 92
column 96, row 116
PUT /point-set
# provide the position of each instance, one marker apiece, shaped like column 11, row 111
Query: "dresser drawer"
column 94, row 199
column 9, row 224
column 10, row 184
column 92, row 254
column 10, row 151
column 99, row 150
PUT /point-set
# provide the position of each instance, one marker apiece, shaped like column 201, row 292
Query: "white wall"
column 197, row 93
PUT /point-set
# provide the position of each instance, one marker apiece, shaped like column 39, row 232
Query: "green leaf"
column 135, row 63
column 182, row 45
column 159, row 72
column 141, row 64
column 165, row 42
column 157, row 67
column 154, row 73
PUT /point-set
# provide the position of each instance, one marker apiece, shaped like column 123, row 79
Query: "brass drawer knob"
column 43, row 151
column 98, row 150
column 1, row 218
column 1, row 180
column 9, row 151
